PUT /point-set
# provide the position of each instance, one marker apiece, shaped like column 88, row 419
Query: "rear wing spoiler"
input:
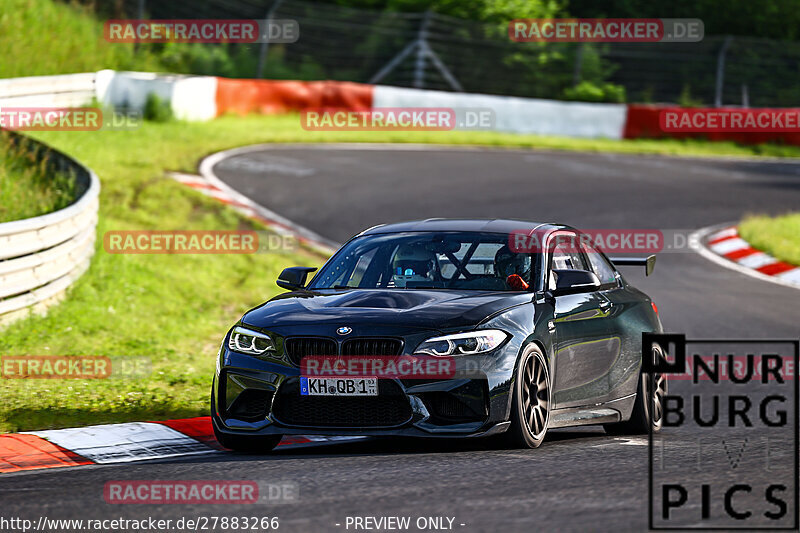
column 649, row 262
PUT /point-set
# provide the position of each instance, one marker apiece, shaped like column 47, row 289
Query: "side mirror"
column 294, row 278
column 574, row 282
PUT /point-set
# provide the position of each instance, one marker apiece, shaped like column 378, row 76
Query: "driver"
column 412, row 264
column 507, row 263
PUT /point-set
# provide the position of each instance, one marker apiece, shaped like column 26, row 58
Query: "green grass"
column 45, row 37
column 175, row 309
column 27, row 189
column 778, row 236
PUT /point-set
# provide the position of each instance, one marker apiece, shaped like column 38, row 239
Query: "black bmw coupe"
column 459, row 328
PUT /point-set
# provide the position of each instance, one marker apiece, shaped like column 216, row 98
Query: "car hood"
column 429, row 309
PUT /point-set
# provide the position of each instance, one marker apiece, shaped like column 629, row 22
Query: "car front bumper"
column 260, row 396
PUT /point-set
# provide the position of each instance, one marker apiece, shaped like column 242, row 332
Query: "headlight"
column 470, row 343
column 251, row 342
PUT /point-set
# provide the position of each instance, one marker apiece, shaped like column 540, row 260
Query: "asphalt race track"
column 338, row 193
column 579, row 480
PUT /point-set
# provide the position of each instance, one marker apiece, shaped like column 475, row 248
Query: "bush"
column 156, row 109
column 587, row 91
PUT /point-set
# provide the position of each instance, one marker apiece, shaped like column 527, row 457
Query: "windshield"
column 429, row 260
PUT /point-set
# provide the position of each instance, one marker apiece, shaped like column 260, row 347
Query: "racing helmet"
column 507, row 262
column 412, row 263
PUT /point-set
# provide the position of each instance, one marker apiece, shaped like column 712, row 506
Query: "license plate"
column 339, row 386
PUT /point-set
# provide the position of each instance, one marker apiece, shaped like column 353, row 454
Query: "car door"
column 584, row 348
column 623, row 325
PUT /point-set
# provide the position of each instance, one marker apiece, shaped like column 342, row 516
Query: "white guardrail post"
column 41, row 257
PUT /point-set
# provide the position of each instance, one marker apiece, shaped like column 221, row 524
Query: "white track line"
column 206, row 170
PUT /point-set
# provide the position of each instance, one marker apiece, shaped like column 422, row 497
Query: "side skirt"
column 613, row 411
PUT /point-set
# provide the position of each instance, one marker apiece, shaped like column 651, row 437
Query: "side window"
column 605, row 272
column 566, row 254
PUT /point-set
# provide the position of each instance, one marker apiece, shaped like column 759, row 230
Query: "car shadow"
column 381, row 446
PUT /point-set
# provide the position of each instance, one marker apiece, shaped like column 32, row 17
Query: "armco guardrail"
column 40, row 257
column 66, row 90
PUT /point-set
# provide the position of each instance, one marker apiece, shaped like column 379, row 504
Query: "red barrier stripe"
column 725, row 238
column 277, row 96
column 775, row 268
column 199, row 428
column 232, row 202
column 202, row 186
column 739, row 254
column 29, row 452
column 642, row 121
column 21, row 451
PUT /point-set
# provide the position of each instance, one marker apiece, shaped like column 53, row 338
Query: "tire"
column 641, row 421
column 529, row 420
column 255, row 444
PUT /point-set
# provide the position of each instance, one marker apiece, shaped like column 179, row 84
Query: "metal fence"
column 432, row 51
